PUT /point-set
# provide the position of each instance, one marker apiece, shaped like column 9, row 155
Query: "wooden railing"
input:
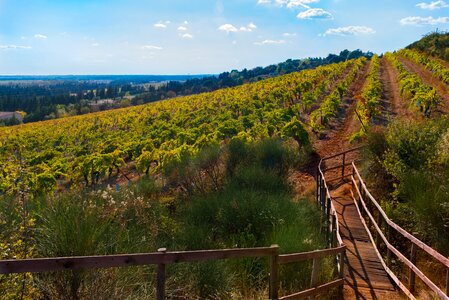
column 164, row 257
column 372, row 212
column 373, row 216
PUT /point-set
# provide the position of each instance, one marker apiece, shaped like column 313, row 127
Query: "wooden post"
column 274, row 273
column 447, row 282
column 334, row 230
column 328, row 212
column 379, row 223
column 342, row 267
column 361, row 196
column 323, row 194
column 388, row 249
column 160, row 278
column 342, row 263
column 315, row 270
column 343, row 166
column 411, row 278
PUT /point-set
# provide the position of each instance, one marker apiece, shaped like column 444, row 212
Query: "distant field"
column 98, row 78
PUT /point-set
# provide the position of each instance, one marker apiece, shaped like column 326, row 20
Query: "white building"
column 6, row 115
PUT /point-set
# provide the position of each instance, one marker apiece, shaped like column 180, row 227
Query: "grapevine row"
column 432, row 65
column 88, row 148
column 412, row 87
column 320, row 117
column 368, row 106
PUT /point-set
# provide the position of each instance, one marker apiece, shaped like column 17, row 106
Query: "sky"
column 58, row 37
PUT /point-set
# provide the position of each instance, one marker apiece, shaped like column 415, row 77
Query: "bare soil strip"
column 394, row 105
column 336, row 138
column 306, row 117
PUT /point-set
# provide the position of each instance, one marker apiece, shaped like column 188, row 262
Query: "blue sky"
column 199, row 36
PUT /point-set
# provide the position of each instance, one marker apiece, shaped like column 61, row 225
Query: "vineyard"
column 225, row 169
column 92, row 147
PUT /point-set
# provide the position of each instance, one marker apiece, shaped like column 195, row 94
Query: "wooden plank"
column 364, row 268
column 402, row 258
column 314, row 291
column 417, row 242
column 387, row 269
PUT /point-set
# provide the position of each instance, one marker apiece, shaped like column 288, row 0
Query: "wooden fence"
column 164, row 257
column 375, row 217
column 376, row 220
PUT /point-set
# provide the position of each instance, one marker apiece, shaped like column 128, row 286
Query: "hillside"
column 230, row 168
column 51, row 97
column 435, row 44
column 94, row 146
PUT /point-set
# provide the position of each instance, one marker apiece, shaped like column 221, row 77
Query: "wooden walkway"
column 365, row 277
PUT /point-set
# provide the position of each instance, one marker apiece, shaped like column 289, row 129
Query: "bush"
column 253, row 209
column 410, row 161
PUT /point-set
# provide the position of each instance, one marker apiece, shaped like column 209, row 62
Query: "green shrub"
column 410, row 161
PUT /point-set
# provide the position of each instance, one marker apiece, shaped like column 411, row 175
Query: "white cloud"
column 231, row 28
column 160, row 25
column 289, row 3
column 314, row 13
column 288, row 34
column 300, row 3
column 151, row 47
column 270, row 42
column 350, row 30
column 182, row 28
column 95, row 44
column 40, row 36
column 4, row 47
column 252, row 25
column 432, row 5
column 420, row 21
column 228, row 28
column 187, row 36
column 186, row 22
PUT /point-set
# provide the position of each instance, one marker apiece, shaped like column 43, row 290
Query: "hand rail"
column 361, row 186
column 414, row 240
column 35, row 265
column 323, row 196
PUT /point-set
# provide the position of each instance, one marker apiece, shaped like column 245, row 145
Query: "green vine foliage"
column 88, row 149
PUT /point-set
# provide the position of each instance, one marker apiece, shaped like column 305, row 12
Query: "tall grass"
column 238, row 196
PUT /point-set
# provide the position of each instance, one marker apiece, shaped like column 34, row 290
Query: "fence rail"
column 373, row 216
column 368, row 206
column 164, row 257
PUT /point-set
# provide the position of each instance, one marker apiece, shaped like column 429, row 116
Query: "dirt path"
column 392, row 102
column 429, row 79
column 336, row 137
